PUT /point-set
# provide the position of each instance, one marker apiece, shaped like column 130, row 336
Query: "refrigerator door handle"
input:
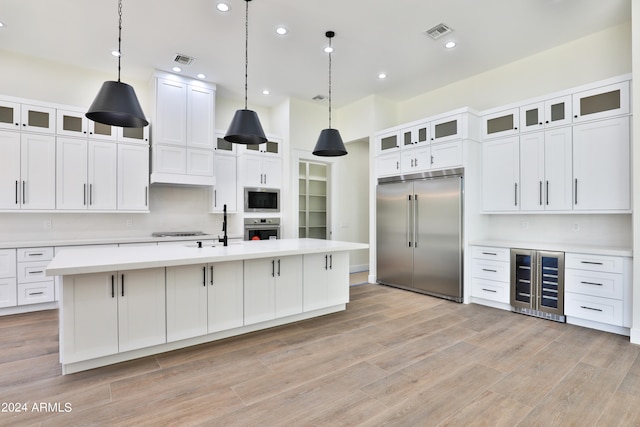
column 415, row 220
column 409, row 222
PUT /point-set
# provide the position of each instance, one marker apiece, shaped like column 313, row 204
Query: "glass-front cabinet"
column 550, row 113
column 270, row 147
column 606, row 101
column 25, row 117
column 388, row 142
column 501, row 123
column 446, row 129
column 415, row 135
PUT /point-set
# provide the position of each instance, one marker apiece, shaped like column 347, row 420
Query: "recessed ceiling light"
column 177, row 69
column 450, row 45
column 382, row 76
column 1, row 24
column 201, row 76
column 281, row 30
column 328, row 49
column 223, row 7
column 115, row 53
column 266, row 92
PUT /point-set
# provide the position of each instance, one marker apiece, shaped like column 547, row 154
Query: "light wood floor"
column 392, row 358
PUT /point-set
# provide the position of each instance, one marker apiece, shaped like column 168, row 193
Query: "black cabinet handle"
column 24, row 192
column 490, row 253
column 35, row 272
column 278, row 267
column 91, row 194
column 489, row 270
column 84, row 194
column 326, row 262
column 331, row 262
column 515, row 194
column 204, row 276
column 590, row 308
column 489, row 290
column 122, row 283
column 273, row 268
column 17, row 185
column 575, row 193
column 591, row 262
column 113, row 288
column 591, row 283
column 540, row 193
column 35, row 293
column 211, row 278
column 547, row 193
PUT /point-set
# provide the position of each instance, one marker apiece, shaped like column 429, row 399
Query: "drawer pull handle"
column 36, row 272
column 590, row 308
column 489, row 270
column 592, row 262
column 490, row 253
column 35, row 254
column 489, row 290
column 591, row 283
column 35, row 293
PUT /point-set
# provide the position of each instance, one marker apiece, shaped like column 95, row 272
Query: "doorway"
column 313, row 200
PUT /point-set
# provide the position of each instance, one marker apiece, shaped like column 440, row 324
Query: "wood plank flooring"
column 392, row 358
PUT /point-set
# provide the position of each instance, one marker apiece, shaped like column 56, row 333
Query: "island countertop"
column 98, row 260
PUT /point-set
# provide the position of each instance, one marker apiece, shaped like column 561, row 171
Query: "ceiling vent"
column 183, row 59
column 438, row 31
column 319, row 98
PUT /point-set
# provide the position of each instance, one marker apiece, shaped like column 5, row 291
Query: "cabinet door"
column 9, row 115
column 288, row 286
column 223, row 146
column 557, row 112
column 225, row 296
column 8, row 292
column 200, row 117
column 558, row 169
column 388, row 142
column 134, row 135
column 38, row 119
column 71, row 123
column 272, row 170
column 71, row 173
column 225, row 190
column 502, row 123
column 532, row 117
column 169, row 159
column 415, row 159
column 601, row 165
column 133, row 177
column 10, row 181
column 259, row 290
column 501, row 175
column 199, row 162
column 446, row 155
column 141, row 308
column 7, row 263
column 186, row 301
column 416, row 135
column 532, row 168
column 338, row 279
column 38, row 171
column 602, row 102
column 89, row 317
column 102, row 131
column 251, row 171
column 388, row 164
column 102, row 173
column 446, row 129
column 170, row 125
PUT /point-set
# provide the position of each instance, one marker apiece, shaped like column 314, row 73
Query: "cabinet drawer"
column 35, row 293
column 490, row 290
column 490, row 270
column 487, row 252
column 29, row 272
column 597, row 309
column 35, row 254
column 595, row 283
column 610, row 264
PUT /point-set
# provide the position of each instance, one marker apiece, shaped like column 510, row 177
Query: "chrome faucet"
column 224, row 240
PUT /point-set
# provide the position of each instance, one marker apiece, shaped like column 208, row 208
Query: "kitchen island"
column 118, row 304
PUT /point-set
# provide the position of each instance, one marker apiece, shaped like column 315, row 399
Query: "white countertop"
column 97, row 260
column 555, row 246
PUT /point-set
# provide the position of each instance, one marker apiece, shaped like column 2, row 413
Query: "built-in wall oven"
column 261, row 228
column 261, row 199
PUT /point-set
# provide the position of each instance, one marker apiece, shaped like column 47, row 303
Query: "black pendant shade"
column 245, row 128
column 117, row 105
column 329, row 144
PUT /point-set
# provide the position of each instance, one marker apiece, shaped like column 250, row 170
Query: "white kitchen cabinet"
column 7, row 263
column 416, row 135
column 415, row 159
column 133, row 177
column 490, row 275
column 10, row 179
column 446, row 155
column 186, row 301
column 501, row 175
column 546, row 114
column 224, row 147
column 35, row 118
column 86, row 173
column 9, row 115
column 199, row 162
column 446, row 129
column 33, row 286
column 8, row 295
column 261, row 171
column 546, row 170
column 225, row 296
column 71, row 123
column 89, row 317
column 37, row 171
column 134, row 135
column 200, row 116
column 601, row 165
column 388, row 164
column 102, row 131
column 272, row 288
column 272, row 148
column 388, row 142
column 602, row 102
column 501, row 123
column 141, row 308
column 325, row 280
column 170, row 123
column 225, row 191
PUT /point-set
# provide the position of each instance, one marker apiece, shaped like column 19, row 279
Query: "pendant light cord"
column 119, row 36
column 246, row 52
column 329, row 84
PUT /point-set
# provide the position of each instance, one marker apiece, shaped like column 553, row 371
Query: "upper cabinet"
column 501, row 123
column 388, row 142
column 74, row 123
column 546, row 114
column 183, row 132
column 606, row 101
column 447, row 129
column 271, row 148
column 25, row 117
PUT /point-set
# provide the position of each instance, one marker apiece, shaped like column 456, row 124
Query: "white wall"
column 635, row 99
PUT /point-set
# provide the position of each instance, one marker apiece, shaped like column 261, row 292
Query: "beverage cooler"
column 537, row 283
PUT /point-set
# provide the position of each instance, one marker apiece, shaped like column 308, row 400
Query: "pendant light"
column 329, row 142
column 245, row 127
column 116, row 103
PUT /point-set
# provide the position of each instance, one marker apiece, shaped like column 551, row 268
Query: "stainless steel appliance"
column 261, row 228
column 261, row 199
column 419, row 233
column 537, row 283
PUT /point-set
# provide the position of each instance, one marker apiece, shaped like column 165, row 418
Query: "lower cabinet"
column 272, row 288
column 490, row 269
column 107, row 313
column 326, row 280
column 203, row 298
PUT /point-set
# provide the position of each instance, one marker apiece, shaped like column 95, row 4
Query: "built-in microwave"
column 261, row 200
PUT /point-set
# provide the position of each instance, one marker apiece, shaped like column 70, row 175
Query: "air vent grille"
column 183, row 59
column 319, row 98
column 438, row 31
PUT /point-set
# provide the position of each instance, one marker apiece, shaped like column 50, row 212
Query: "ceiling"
column 372, row 36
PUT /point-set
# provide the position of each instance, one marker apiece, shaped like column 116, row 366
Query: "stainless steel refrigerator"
column 419, row 234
